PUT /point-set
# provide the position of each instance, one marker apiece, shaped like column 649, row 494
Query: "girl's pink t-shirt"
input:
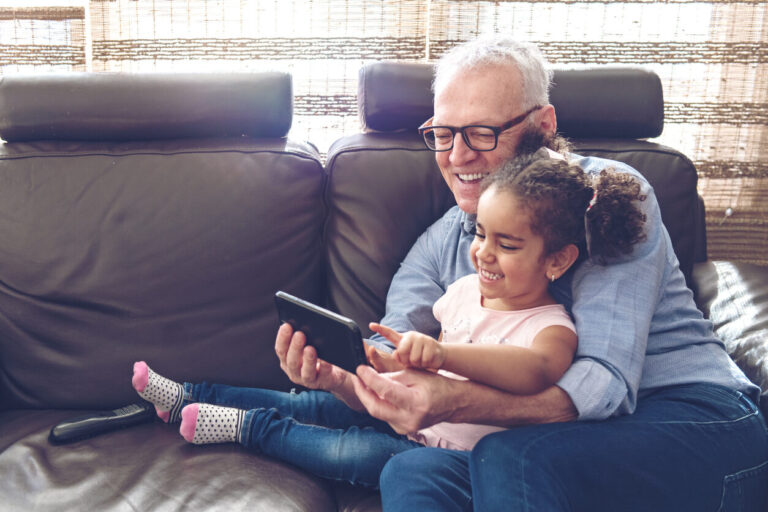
column 465, row 320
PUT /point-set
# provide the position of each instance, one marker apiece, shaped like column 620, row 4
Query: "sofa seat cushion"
column 146, row 467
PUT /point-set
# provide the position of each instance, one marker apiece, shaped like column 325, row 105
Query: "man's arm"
column 413, row 399
column 423, row 276
column 613, row 308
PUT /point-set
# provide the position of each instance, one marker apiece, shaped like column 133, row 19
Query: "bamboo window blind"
column 712, row 57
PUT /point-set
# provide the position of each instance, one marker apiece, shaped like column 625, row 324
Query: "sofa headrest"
column 394, row 96
column 143, row 106
column 608, row 102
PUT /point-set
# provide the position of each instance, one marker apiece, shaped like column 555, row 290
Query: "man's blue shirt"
column 637, row 323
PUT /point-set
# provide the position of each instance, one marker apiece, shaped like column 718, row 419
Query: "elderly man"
column 652, row 414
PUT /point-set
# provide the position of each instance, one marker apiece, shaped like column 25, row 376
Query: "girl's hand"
column 382, row 362
column 413, row 349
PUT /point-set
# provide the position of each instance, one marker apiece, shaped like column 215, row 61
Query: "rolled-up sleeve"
column 613, row 306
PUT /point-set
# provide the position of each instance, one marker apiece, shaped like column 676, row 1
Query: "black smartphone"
column 336, row 338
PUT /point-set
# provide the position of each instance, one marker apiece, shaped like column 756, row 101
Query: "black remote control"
column 82, row 427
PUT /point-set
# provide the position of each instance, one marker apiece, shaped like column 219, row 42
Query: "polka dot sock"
column 165, row 394
column 206, row 424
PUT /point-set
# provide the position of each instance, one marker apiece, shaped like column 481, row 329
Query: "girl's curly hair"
column 558, row 194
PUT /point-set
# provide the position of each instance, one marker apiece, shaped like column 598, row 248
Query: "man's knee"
column 505, row 450
column 426, row 479
column 516, row 471
column 394, row 467
column 415, row 464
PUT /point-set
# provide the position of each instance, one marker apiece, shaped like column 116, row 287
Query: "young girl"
column 500, row 327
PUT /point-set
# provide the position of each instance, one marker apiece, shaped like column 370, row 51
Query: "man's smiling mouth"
column 471, row 178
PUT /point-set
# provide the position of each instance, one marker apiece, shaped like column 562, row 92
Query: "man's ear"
column 546, row 119
column 559, row 262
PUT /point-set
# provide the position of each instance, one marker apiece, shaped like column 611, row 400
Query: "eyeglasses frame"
column 460, row 129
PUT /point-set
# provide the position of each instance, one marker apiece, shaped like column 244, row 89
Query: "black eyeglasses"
column 478, row 137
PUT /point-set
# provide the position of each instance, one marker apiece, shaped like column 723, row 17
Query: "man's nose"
column 461, row 153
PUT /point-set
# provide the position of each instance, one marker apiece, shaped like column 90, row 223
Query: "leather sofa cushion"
column 383, row 191
column 165, row 251
column 146, row 467
column 674, row 180
column 734, row 296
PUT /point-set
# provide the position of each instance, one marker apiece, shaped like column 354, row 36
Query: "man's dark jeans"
column 694, row 448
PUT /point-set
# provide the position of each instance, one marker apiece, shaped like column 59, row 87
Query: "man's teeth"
column 490, row 275
column 471, row 177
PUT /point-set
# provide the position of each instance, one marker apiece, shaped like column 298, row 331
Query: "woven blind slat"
column 42, row 39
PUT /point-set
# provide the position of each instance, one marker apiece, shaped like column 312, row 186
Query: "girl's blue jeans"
column 686, row 448
column 312, row 430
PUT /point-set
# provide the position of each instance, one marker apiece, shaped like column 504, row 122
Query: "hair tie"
column 592, row 201
column 587, row 234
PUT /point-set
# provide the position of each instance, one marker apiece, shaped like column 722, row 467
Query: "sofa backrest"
column 144, row 216
column 385, row 188
column 153, row 216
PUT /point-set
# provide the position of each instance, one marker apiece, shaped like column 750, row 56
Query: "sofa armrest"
column 734, row 296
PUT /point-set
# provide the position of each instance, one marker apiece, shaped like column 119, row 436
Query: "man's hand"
column 301, row 364
column 414, row 399
column 413, row 349
column 408, row 400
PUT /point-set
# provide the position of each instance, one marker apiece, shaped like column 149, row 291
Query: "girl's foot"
column 206, row 423
column 165, row 394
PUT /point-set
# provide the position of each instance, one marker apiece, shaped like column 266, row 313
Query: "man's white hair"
column 499, row 50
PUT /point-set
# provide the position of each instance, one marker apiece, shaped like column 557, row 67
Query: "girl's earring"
column 552, row 277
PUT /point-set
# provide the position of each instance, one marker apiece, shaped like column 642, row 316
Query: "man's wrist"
column 345, row 391
column 470, row 402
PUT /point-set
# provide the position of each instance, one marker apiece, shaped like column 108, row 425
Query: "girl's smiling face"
column 509, row 258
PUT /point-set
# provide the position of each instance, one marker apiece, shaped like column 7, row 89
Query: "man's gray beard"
column 532, row 140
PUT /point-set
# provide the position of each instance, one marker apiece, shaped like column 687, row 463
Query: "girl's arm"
column 516, row 369
column 523, row 371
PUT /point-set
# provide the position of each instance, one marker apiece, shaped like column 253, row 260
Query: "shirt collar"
column 468, row 222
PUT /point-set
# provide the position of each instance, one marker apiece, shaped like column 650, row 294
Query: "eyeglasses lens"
column 480, row 138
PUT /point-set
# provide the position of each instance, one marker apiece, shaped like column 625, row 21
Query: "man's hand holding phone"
column 300, row 363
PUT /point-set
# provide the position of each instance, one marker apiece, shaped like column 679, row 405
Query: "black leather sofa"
column 153, row 217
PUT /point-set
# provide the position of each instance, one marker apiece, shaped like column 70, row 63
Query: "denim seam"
column 188, row 392
column 245, row 434
column 718, row 422
column 739, row 475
